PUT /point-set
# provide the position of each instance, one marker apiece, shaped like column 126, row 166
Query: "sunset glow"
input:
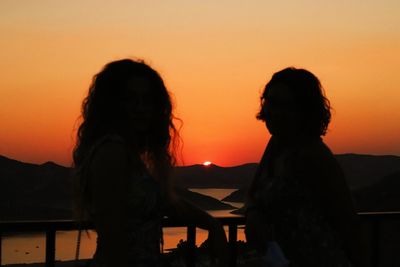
column 207, row 163
column 215, row 58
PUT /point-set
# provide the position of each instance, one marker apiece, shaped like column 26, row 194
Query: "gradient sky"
column 215, row 57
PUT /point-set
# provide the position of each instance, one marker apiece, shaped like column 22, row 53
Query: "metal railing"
column 376, row 219
column 51, row 227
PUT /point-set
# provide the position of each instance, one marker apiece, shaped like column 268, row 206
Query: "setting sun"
column 363, row 43
column 207, row 163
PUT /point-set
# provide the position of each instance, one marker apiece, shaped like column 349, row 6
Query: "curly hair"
column 309, row 96
column 103, row 113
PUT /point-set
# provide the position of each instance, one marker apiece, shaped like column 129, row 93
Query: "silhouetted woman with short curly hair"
column 123, row 159
column 299, row 197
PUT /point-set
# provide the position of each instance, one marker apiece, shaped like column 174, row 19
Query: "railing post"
column 375, row 242
column 50, row 247
column 1, row 239
column 232, row 237
column 191, row 242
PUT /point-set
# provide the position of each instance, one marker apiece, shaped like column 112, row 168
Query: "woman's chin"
column 270, row 129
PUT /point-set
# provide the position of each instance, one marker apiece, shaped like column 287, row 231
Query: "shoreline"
column 68, row 263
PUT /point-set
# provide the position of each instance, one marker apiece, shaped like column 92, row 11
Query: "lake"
column 30, row 248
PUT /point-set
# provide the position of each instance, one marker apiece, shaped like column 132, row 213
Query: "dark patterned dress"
column 296, row 221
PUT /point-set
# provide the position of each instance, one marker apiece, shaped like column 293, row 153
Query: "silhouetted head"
column 128, row 98
column 293, row 104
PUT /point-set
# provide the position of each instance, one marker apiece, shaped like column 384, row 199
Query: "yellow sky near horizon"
column 215, row 57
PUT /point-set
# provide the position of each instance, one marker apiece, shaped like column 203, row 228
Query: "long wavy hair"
column 310, row 99
column 103, row 113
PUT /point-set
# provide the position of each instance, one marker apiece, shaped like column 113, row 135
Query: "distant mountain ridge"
column 360, row 171
column 382, row 196
column 213, row 176
column 24, row 190
column 373, row 180
column 43, row 191
column 365, row 170
column 39, row 192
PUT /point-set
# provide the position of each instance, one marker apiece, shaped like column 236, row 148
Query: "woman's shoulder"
column 319, row 168
column 316, row 155
column 108, row 150
column 316, row 150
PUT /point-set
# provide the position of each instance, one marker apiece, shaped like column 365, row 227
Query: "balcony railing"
column 376, row 219
column 51, row 227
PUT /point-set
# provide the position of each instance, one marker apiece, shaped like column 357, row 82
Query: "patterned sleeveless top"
column 144, row 219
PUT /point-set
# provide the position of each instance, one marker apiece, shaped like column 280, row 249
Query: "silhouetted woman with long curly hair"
column 299, row 197
column 123, row 158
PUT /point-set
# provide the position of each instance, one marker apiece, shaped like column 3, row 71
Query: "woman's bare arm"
column 189, row 213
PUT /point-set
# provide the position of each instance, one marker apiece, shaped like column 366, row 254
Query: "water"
column 218, row 193
column 30, row 248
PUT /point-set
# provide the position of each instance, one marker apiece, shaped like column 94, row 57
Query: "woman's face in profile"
column 139, row 104
column 280, row 109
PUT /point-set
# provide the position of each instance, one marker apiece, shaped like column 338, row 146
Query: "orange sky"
column 215, row 57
